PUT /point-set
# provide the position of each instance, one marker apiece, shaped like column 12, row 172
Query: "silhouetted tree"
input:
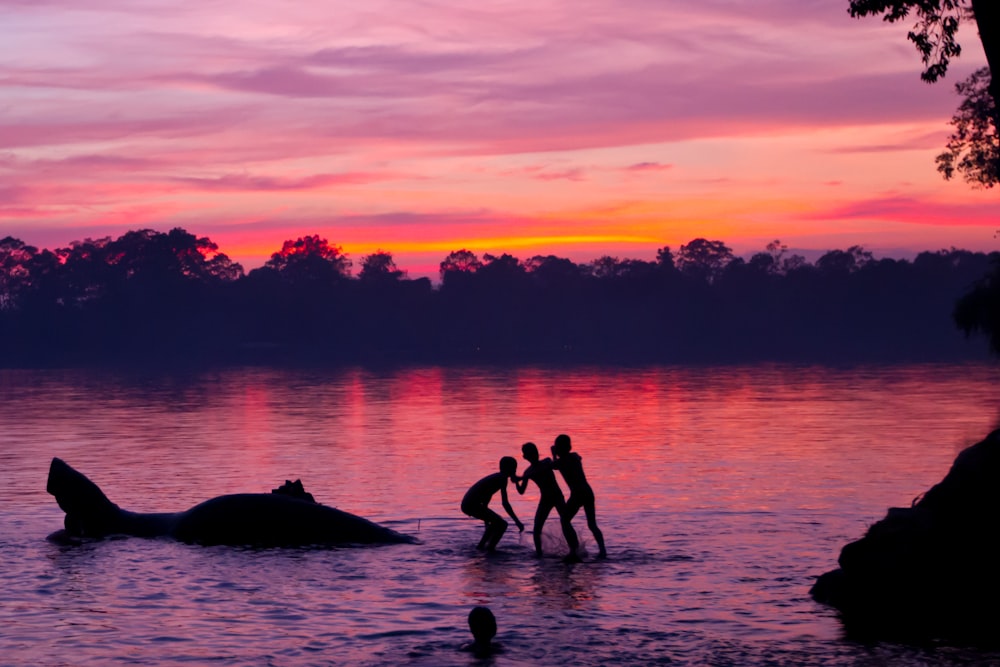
column 142, row 291
column 634, row 270
column 766, row 262
column 310, row 260
column 665, row 259
column 148, row 296
column 974, row 147
column 792, row 262
column 142, row 262
column 550, row 271
column 774, row 260
column 379, row 267
column 463, row 261
column 844, row 261
column 28, row 276
column 15, row 275
column 503, row 267
column 148, row 254
column 934, row 35
column 501, row 287
column 606, row 268
column 979, row 310
column 458, row 267
column 86, row 274
column 51, row 278
column 934, row 32
column 220, row 267
column 703, row 260
column 936, row 28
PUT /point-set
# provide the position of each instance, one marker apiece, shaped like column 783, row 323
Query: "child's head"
column 562, row 445
column 529, row 451
column 483, row 624
column 508, row 465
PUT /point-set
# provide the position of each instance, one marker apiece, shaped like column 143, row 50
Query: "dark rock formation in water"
column 929, row 571
column 288, row 516
column 295, row 490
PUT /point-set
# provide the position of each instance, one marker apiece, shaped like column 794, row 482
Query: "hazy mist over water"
column 722, row 492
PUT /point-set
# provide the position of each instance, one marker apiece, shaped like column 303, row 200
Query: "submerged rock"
column 931, row 570
column 288, row 516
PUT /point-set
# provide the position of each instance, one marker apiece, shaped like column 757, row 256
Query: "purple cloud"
column 648, row 166
column 111, row 104
column 910, row 209
column 246, row 182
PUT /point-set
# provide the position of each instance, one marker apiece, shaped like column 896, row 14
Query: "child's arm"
column 510, row 510
column 521, row 483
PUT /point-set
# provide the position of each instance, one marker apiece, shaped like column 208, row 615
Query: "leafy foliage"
column 310, row 259
column 974, row 147
column 979, row 310
column 380, row 267
column 462, row 261
column 665, row 258
column 703, row 259
column 844, row 261
column 148, row 297
column 933, row 34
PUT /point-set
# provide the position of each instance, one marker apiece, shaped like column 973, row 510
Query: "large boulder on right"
column 931, row 570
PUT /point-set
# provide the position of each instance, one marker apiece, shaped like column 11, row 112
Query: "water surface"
column 722, row 493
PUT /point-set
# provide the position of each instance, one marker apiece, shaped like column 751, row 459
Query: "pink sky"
column 582, row 129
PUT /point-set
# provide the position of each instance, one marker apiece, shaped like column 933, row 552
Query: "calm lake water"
column 722, row 493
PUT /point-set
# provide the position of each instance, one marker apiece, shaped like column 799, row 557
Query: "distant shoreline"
column 155, row 299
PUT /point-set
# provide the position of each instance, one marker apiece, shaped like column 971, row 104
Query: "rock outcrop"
column 932, row 570
column 288, row 516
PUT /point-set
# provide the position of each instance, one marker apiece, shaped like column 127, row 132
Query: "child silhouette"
column 542, row 473
column 477, row 498
column 570, row 464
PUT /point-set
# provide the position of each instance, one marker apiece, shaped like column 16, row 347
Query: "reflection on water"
column 722, row 492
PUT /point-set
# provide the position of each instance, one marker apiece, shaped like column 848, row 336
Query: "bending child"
column 477, row 498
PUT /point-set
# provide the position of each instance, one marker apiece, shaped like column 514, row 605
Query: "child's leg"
column 564, row 519
column 486, row 537
column 591, row 511
column 541, row 514
column 573, row 506
column 497, row 529
column 484, row 514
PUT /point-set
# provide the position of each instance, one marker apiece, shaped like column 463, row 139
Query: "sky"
column 580, row 129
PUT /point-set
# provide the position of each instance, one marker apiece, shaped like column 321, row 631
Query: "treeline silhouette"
column 168, row 298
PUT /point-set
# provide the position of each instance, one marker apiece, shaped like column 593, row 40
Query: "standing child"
column 570, row 464
column 541, row 471
column 477, row 498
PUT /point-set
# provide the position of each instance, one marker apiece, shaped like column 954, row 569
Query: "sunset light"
column 440, row 333
column 607, row 129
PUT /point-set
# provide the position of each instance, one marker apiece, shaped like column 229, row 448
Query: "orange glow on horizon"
column 259, row 248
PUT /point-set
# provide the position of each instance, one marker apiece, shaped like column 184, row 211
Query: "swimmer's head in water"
column 483, row 624
column 508, row 465
column 530, row 451
column 562, row 445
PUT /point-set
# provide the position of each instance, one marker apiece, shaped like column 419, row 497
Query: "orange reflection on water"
column 721, row 493
column 407, row 443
